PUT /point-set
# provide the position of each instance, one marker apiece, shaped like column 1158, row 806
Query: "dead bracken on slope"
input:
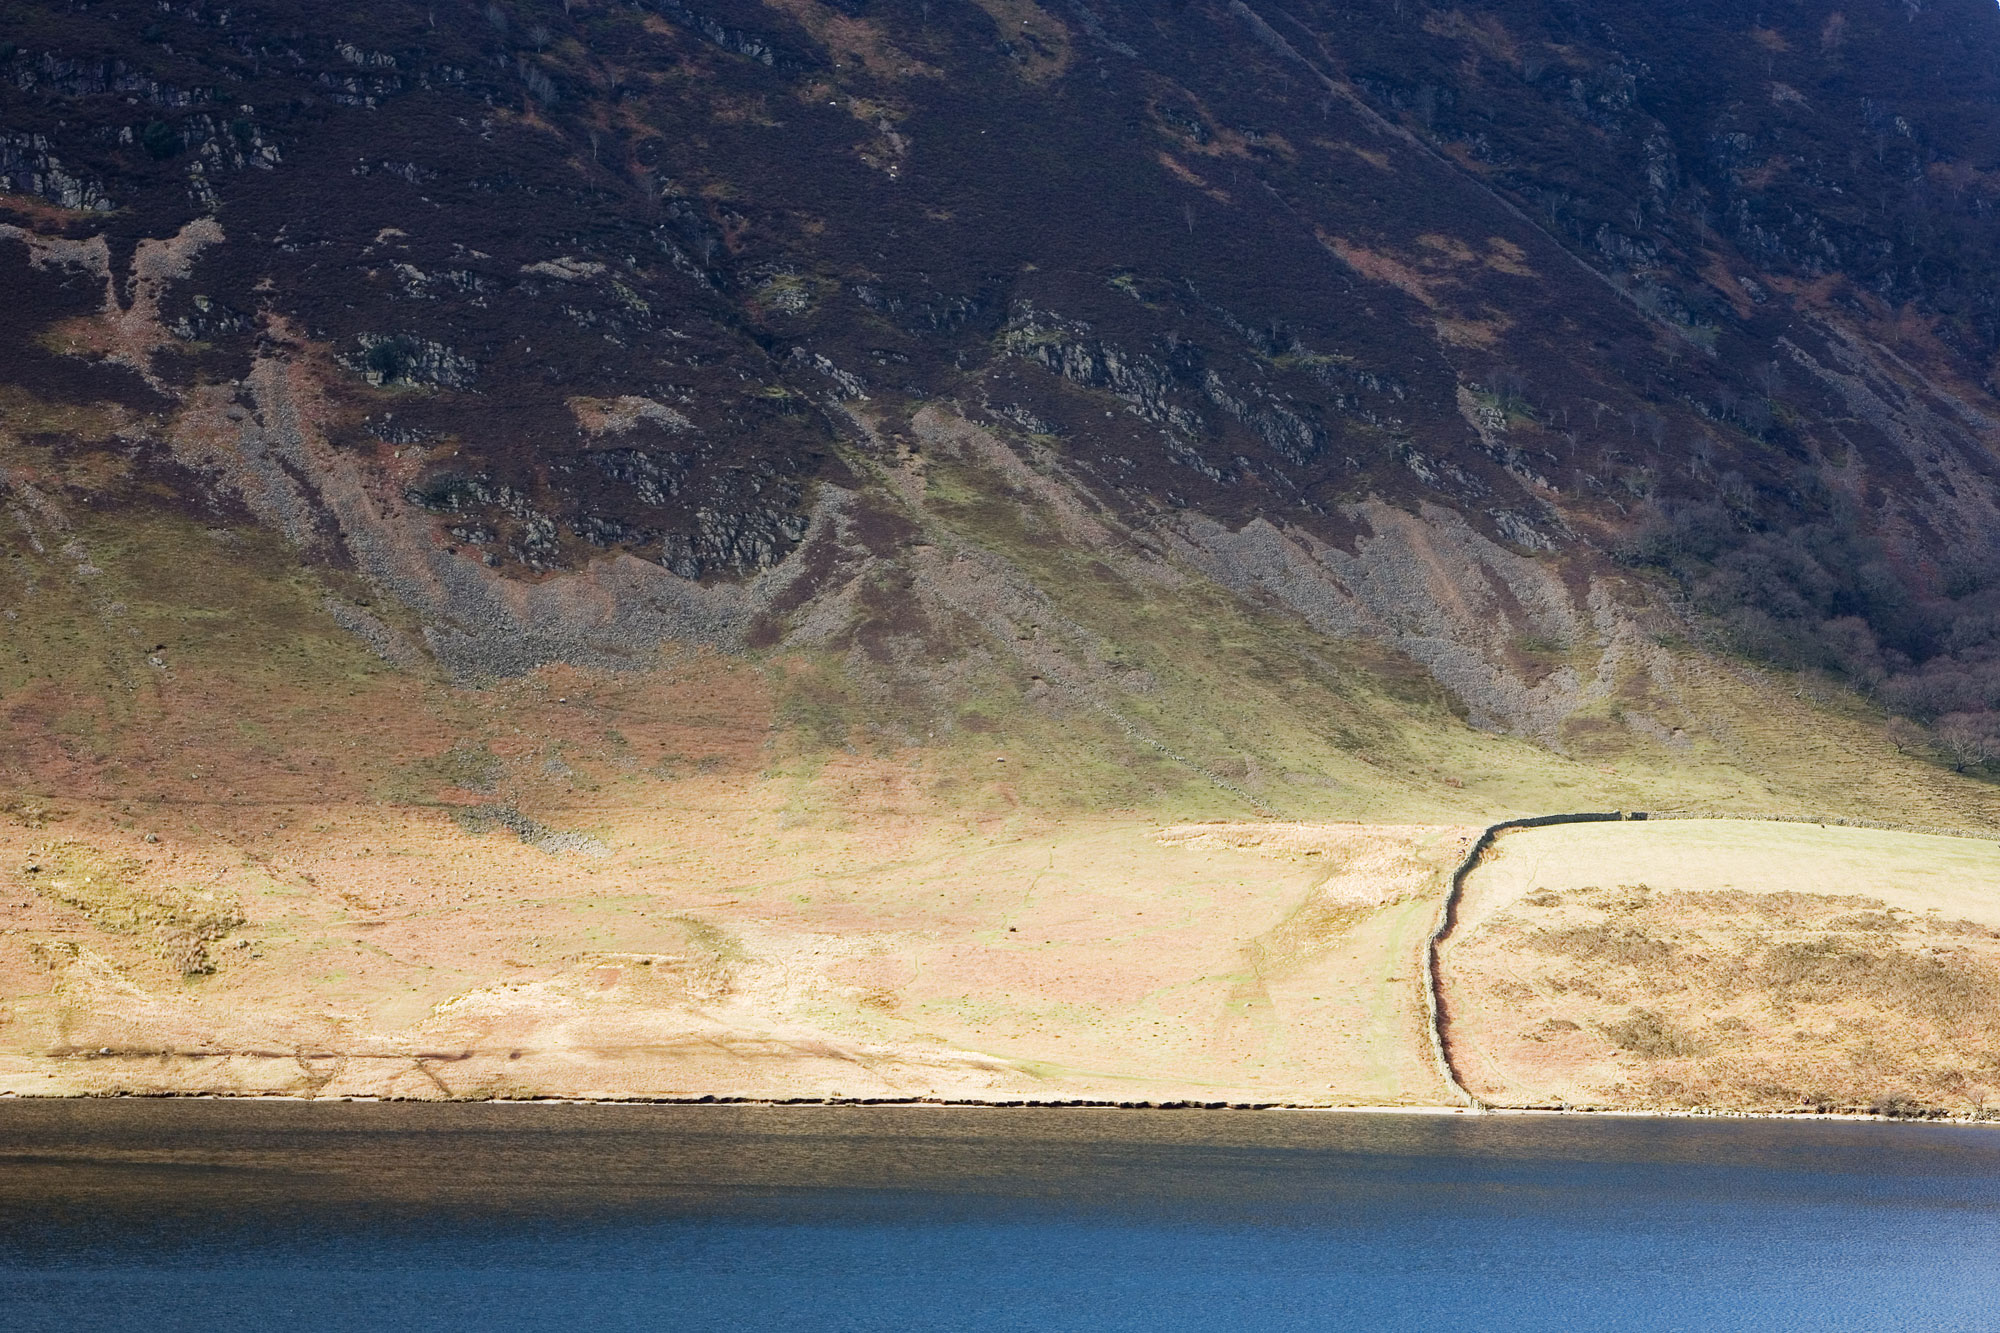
column 1757, row 967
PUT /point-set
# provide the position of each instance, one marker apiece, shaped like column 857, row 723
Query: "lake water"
column 255, row 1215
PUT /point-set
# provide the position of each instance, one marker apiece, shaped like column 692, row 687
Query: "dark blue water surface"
column 254, row 1215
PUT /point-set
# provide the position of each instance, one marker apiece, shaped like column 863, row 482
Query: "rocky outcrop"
column 28, row 165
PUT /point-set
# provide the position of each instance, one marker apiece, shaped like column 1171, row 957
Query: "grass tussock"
column 1648, row 1034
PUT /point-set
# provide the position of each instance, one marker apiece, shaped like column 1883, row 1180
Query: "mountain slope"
column 656, row 281
column 722, row 434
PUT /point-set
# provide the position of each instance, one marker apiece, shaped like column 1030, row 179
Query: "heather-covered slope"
column 470, row 296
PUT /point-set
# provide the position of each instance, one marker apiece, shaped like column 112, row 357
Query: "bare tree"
column 1967, row 740
column 1906, row 736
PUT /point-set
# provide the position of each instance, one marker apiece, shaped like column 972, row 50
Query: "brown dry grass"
column 116, row 894
column 1761, row 993
column 721, row 946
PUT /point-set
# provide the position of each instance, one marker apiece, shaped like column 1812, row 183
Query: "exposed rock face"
column 28, row 167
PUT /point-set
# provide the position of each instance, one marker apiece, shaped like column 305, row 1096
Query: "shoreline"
column 1055, row 1104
